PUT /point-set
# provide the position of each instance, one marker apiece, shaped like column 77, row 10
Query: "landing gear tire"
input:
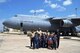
column 25, row 32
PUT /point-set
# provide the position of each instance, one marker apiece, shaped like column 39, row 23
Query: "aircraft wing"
column 65, row 22
column 56, row 22
column 76, row 21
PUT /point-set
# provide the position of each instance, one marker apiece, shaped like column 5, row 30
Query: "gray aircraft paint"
column 31, row 22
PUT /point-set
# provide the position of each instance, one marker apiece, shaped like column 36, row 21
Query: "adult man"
column 43, row 40
column 31, row 35
column 58, row 39
column 36, row 40
column 54, row 37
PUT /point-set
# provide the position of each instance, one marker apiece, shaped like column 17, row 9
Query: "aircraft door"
column 21, row 24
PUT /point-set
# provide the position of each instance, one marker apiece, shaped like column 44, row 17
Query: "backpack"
column 50, row 41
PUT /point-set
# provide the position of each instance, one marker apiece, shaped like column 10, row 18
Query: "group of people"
column 44, row 40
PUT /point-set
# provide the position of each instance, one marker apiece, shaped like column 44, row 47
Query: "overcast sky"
column 56, row 8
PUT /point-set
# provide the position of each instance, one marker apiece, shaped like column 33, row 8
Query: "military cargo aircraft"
column 34, row 22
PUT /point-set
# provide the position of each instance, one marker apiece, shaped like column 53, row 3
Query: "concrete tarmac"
column 12, row 43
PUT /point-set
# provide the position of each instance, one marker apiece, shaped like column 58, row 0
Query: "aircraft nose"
column 11, row 23
column 6, row 23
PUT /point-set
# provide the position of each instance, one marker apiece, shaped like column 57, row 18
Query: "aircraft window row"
column 28, row 21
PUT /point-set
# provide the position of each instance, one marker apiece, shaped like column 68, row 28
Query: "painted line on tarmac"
column 73, row 38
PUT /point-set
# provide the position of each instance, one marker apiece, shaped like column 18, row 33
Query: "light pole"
column 76, row 12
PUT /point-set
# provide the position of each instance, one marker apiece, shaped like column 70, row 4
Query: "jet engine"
column 66, row 23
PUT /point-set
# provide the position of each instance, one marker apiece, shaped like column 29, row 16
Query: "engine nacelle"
column 66, row 23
